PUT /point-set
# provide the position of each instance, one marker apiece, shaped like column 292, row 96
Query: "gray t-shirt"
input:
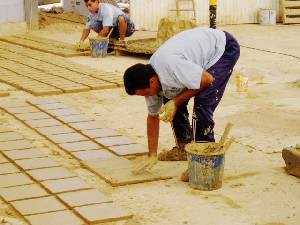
column 180, row 61
column 107, row 16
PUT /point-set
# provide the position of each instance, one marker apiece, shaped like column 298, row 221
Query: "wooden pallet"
column 291, row 11
column 189, row 7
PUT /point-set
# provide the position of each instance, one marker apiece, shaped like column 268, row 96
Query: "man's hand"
column 169, row 109
column 82, row 46
column 145, row 164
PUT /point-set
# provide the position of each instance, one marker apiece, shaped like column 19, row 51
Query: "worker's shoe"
column 185, row 176
column 175, row 154
column 291, row 157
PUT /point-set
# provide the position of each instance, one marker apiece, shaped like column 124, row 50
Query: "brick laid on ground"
column 24, row 109
column 98, row 133
column 42, row 123
column 22, row 192
column 10, row 136
column 63, row 112
column 85, row 197
column 90, row 125
column 79, row 146
column 50, row 173
column 117, row 140
column 33, row 116
column 106, row 212
column 131, row 149
column 15, row 179
column 15, row 145
column 67, row 138
column 38, row 205
column 25, row 154
column 7, row 168
column 3, row 159
column 74, row 118
column 38, row 163
column 55, row 218
column 62, row 129
column 65, row 185
column 93, row 154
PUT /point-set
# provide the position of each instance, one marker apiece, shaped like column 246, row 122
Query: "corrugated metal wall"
column 147, row 13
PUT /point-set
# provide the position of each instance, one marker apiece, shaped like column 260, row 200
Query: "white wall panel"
column 12, row 11
column 147, row 13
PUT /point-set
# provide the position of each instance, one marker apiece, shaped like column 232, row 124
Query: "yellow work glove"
column 82, row 46
column 169, row 110
column 145, row 164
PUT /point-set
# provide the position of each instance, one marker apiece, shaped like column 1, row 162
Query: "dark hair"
column 137, row 77
column 86, row 1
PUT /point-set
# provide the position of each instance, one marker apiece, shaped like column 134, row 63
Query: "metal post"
column 32, row 14
column 213, row 14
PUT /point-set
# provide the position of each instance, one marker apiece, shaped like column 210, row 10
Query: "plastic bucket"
column 206, row 171
column 99, row 47
column 267, row 17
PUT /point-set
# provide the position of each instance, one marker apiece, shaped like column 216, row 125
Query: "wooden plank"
column 288, row 20
column 117, row 172
column 291, row 4
column 292, row 12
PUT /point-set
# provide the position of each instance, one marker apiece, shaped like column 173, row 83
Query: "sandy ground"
column 256, row 189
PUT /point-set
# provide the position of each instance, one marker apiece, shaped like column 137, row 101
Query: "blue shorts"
column 130, row 27
column 115, row 34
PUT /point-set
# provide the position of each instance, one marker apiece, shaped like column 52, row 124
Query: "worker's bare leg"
column 96, row 30
column 122, row 27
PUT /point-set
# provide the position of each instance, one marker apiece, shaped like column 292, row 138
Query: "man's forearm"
column 206, row 80
column 152, row 132
column 85, row 34
column 104, row 32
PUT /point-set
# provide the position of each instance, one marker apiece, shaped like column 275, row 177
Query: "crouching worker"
column 102, row 18
column 194, row 63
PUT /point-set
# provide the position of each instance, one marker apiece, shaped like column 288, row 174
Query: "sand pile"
column 166, row 29
column 169, row 27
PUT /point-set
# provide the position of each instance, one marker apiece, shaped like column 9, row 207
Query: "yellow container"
column 241, row 84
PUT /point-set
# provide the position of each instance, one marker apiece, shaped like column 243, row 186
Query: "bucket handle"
column 111, row 30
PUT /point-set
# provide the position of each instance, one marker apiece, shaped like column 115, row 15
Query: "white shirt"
column 107, row 16
column 180, row 61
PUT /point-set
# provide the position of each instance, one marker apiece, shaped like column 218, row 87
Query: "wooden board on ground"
column 117, row 172
column 44, row 45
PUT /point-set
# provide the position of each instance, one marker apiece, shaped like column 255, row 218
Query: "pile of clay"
column 211, row 148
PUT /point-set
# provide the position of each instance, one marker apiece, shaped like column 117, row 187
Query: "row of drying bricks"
column 46, row 45
column 45, row 193
column 82, row 76
column 74, row 132
column 41, row 83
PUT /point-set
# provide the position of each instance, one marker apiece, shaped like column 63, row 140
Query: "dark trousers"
column 205, row 102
